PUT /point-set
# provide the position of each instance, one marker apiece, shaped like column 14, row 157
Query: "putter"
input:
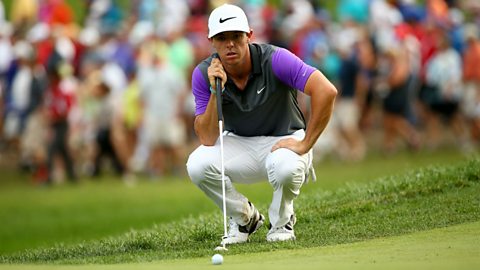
column 218, row 84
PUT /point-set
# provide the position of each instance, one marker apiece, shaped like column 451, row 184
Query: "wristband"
column 214, row 92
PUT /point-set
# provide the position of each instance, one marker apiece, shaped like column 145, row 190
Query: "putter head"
column 221, row 248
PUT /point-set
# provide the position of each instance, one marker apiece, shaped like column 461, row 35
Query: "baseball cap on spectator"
column 140, row 31
column 412, row 12
column 387, row 41
column 471, row 31
column 89, row 36
column 456, row 16
column 23, row 50
column 6, row 29
column 65, row 48
column 227, row 18
column 38, row 32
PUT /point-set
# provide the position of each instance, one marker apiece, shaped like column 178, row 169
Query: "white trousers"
column 250, row 160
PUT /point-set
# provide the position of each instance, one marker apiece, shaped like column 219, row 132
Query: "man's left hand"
column 292, row 144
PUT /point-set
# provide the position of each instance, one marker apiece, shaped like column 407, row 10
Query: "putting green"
column 454, row 247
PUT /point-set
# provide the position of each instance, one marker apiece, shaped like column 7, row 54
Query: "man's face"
column 232, row 46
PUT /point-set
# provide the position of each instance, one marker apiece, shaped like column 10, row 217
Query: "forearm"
column 400, row 71
column 322, row 97
column 206, row 124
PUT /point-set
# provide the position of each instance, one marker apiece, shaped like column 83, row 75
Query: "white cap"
column 6, row 29
column 140, row 31
column 38, row 32
column 89, row 36
column 227, row 18
column 23, row 50
column 470, row 31
column 65, row 48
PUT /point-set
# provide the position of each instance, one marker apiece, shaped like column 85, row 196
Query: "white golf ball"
column 217, row 259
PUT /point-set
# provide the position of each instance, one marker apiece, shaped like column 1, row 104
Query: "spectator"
column 103, row 131
column 130, row 120
column 367, row 61
column 163, row 129
column 32, row 150
column 471, row 78
column 394, row 82
column 347, row 112
column 19, row 92
column 444, row 73
column 59, row 101
column 88, row 109
column 6, row 60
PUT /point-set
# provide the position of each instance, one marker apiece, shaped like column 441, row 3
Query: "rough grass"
column 423, row 199
column 35, row 217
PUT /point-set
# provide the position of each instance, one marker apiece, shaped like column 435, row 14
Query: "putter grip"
column 218, row 86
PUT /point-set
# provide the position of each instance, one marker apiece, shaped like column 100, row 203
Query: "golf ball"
column 217, row 259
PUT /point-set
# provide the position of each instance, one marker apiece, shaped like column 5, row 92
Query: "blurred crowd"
column 112, row 91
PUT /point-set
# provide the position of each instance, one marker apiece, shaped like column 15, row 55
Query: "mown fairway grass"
column 420, row 200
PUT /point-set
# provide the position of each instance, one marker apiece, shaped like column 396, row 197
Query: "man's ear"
column 249, row 35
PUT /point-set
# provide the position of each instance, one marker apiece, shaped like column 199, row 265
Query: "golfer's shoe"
column 239, row 234
column 284, row 233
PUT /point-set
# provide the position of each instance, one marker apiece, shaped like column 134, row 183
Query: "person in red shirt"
column 58, row 102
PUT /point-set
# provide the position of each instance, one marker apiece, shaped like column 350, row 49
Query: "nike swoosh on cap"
column 226, row 19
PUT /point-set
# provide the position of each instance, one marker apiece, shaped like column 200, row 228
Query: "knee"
column 199, row 165
column 285, row 168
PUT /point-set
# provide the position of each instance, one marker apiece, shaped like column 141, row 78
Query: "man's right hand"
column 215, row 70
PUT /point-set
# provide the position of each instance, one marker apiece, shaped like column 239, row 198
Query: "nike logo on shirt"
column 226, row 19
column 260, row 90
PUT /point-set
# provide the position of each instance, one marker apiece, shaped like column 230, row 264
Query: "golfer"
column 265, row 134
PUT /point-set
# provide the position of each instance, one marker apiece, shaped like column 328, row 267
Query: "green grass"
column 453, row 247
column 434, row 197
column 35, row 217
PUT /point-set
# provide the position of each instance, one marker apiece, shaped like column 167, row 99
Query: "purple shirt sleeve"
column 201, row 91
column 290, row 69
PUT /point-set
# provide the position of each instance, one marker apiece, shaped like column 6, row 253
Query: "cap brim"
column 213, row 33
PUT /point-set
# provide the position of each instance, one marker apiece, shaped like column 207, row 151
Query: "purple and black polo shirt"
column 268, row 105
